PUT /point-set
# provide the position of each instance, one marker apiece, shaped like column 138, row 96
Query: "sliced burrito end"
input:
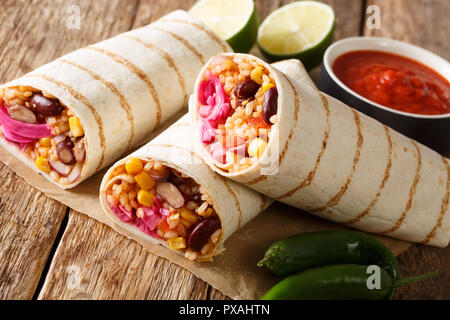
column 236, row 106
column 44, row 131
column 165, row 204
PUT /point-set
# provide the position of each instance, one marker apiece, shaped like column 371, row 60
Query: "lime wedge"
column 302, row 30
column 235, row 21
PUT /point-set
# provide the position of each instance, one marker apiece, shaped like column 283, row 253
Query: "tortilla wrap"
column 234, row 203
column 327, row 158
column 124, row 87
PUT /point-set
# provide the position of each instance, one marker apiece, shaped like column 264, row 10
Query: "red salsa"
column 394, row 81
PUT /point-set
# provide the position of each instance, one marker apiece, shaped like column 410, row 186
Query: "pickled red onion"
column 124, row 217
column 218, row 152
column 21, row 129
column 207, row 132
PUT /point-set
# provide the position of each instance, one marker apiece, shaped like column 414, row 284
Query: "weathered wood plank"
column 29, row 223
column 420, row 22
column 424, row 23
column 95, row 262
column 33, row 33
column 103, row 257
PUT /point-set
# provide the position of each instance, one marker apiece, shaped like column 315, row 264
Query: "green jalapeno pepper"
column 341, row 282
column 316, row 249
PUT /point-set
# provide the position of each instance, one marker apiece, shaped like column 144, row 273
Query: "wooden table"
column 48, row 251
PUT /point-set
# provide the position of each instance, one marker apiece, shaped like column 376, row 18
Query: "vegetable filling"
column 237, row 106
column 166, row 205
column 44, row 130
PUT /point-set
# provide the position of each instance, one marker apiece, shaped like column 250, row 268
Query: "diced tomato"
column 163, row 226
column 258, row 123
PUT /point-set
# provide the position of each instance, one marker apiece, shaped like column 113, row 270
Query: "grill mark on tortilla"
column 338, row 196
column 134, row 69
column 412, row 192
column 256, row 180
column 183, row 41
column 78, row 96
column 236, row 200
column 444, row 206
column 296, row 110
column 263, row 203
column 123, row 102
column 310, row 177
column 170, row 61
column 386, row 176
column 212, row 35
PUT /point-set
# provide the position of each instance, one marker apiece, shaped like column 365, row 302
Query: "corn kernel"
column 134, row 166
column 186, row 223
column 228, row 64
column 267, row 86
column 256, row 147
column 144, row 181
column 75, row 127
column 187, row 215
column 177, row 243
column 145, row 198
column 256, row 75
column 42, row 164
column 46, row 142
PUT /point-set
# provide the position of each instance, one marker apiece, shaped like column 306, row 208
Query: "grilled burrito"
column 282, row 137
column 165, row 194
column 73, row 116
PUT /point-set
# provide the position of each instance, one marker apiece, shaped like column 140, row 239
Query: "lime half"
column 302, row 30
column 235, row 21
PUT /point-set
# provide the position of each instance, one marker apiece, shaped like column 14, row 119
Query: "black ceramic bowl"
column 431, row 130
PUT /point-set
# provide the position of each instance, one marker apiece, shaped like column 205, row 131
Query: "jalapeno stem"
column 263, row 261
column 410, row 280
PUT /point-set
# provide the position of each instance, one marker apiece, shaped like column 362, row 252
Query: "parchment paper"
column 235, row 272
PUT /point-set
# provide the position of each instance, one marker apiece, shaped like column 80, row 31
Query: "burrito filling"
column 166, row 205
column 237, row 106
column 44, row 130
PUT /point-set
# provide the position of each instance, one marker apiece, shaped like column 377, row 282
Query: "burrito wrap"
column 344, row 166
column 124, row 87
column 234, row 203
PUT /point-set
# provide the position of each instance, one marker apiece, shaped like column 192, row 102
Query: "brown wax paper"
column 234, row 272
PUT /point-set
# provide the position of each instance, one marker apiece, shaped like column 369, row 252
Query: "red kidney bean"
column 64, row 151
column 246, row 89
column 201, row 233
column 270, row 104
column 176, row 177
column 45, row 106
column 160, row 174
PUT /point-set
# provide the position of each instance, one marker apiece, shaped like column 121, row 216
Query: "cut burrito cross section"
column 236, row 106
column 327, row 158
column 165, row 204
column 70, row 118
column 165, row 194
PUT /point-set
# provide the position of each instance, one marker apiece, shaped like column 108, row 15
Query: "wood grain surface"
column 91, row 260
column 424, row 23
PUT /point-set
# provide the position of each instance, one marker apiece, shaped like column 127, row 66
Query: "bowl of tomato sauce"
column 401, row 85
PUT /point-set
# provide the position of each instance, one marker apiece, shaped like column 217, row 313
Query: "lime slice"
column 235, row 21
column 302, row 30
